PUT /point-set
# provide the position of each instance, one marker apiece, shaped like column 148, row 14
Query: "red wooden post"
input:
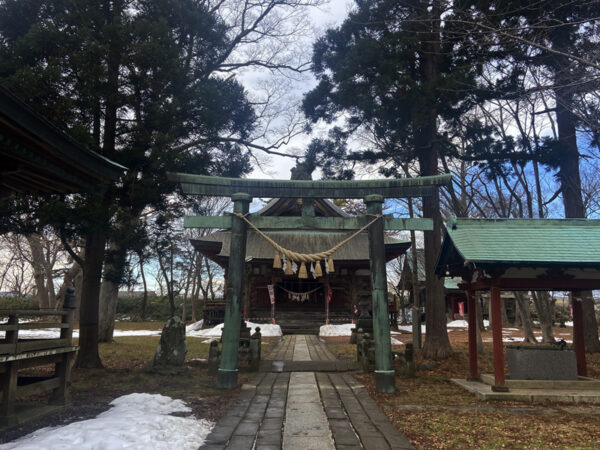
column 499, row 384
column 473, row 371
column 578, row 338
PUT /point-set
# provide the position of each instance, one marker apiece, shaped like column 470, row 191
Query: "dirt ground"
column 435, row 413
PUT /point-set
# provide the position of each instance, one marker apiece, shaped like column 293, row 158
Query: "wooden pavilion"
column 301, row 304
column 36, row 157
column 521, row 254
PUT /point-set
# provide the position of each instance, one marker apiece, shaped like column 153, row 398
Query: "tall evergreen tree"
column 391, row 71
column 133, row 80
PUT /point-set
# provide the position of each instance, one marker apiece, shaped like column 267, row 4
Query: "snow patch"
column 457, row 324
column 135, row 421
column 195, row 326
column 266, row 330
column 344, row 329
column 409, row 328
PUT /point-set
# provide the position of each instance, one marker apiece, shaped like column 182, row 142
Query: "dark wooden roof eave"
column 32, row 145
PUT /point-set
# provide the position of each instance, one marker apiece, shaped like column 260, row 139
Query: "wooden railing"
column 19, row 351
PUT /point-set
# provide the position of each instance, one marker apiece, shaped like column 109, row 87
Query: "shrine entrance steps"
column 304, row 409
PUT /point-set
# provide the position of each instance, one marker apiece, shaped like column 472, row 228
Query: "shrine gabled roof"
column 217, row 245
column 38, row 157
column 281, row 206
column 520, row 242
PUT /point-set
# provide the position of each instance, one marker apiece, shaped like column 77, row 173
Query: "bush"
column 157, row 308
column 15, row 302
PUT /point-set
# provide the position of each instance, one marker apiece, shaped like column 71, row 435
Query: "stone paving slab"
column 308, row 366
column 319, row 407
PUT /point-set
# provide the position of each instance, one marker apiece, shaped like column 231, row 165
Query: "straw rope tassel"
column 330, row 265
column 302, row 272
column 288, row 267
column 318, row 272
column 277, row 261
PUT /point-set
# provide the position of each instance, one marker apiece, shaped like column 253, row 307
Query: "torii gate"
column 373, row 192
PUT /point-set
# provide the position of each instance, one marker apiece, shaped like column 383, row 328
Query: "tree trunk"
column 480, row 328
column 145, row 297
column 590, row 325
column 39, row 272
column 437, row 344
column 72, row 277
column 88, row 356
column 570, row 181
column 504, row 314
column 523, row 312
column 542, row 302
column 109, row 296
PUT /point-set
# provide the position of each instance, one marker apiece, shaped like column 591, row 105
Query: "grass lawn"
column 434, row 413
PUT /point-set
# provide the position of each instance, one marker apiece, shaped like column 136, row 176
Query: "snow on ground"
column 53, row 333
column 195, row 326
column 344, row 329
column 409, row 328
column 193, row 330
column 135, row 421
column 266, row 330
column 457, row 324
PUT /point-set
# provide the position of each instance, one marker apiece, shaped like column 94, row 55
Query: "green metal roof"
column 527, row 242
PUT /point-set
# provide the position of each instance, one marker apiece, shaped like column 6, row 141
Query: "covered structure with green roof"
column 521, row 254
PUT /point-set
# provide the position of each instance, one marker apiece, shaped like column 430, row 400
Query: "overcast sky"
column 329, row 15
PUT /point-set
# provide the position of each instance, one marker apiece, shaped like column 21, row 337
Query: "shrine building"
column 300, row 303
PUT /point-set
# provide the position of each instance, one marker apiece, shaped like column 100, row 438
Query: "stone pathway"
column 304, row 399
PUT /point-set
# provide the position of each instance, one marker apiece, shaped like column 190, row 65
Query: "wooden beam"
column 388, row 188
column 308, row 222
column 526, row 284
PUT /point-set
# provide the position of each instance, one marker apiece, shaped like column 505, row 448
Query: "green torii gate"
column 373, row 192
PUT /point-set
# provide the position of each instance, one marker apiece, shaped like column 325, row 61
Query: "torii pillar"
column 227, row 376
column 384, row 373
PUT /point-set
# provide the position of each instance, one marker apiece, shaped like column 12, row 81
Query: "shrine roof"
column 520, row 242
column 38, row 157
column 217, row 244
column 284, row 206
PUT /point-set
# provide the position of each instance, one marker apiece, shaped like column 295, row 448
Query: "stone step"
column 582, row 383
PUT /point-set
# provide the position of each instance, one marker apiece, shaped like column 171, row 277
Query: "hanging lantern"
column 302, row 274
column 277, row 261
column 318, row 272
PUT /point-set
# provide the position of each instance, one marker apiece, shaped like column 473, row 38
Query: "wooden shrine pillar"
column 472, row 307
column 496, row 313
column 578, row 338
column 384, row 374
column 227, row 375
